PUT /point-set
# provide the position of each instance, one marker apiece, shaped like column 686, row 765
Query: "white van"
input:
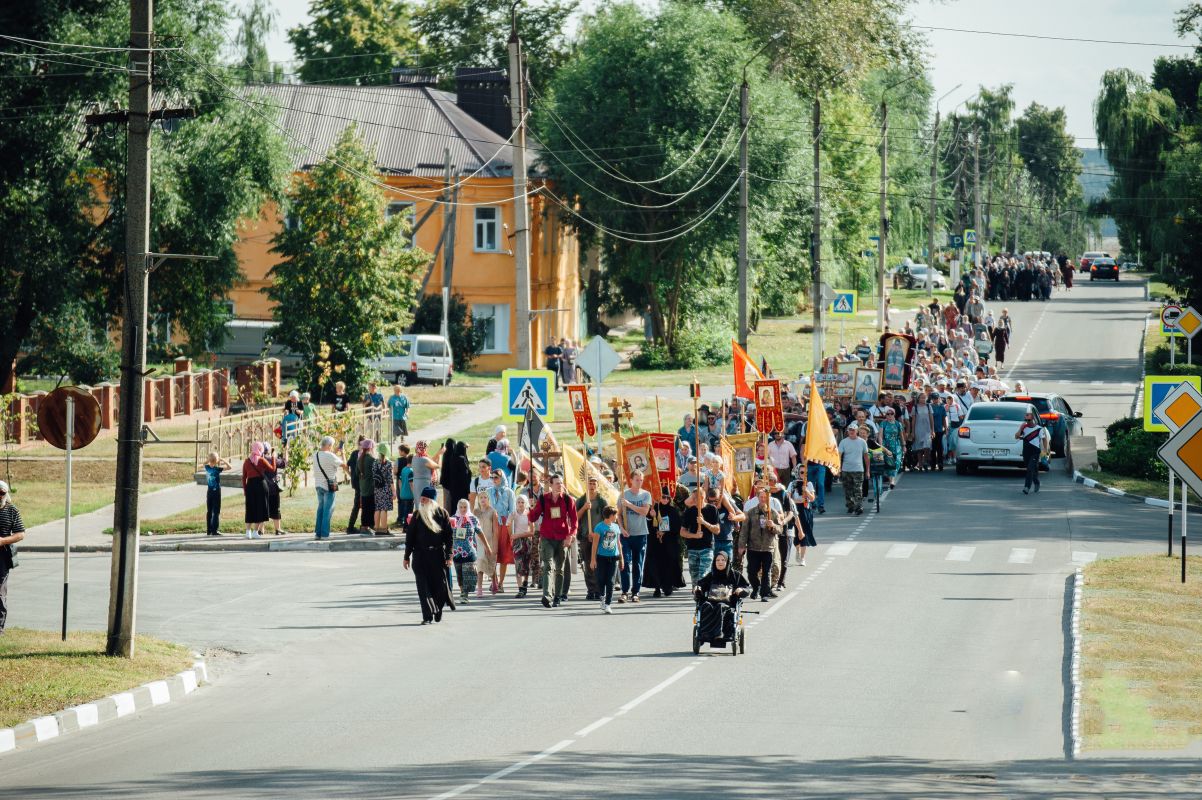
column 416, row 358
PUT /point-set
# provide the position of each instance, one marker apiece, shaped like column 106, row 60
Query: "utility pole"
column 521, row 209
column 448, row 233
column 931, row 260
column 882, row 245
column 816, row 238
column 744, row 134
column 124, row 575
column 976, row 194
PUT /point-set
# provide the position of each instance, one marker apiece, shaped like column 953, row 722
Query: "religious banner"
column 897, row 357
column 636, row 454
column 663, row 452
column 576, row 472
column 654, row 454
column 833, row 383
column 769, row 413
column 727, row 452
column 742, row 464
column 581, row 412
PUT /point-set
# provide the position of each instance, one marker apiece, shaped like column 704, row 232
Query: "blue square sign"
column 527, row 388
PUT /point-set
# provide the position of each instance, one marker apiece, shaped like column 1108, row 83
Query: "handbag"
column 331, row 485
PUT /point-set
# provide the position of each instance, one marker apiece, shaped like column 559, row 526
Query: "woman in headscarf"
column 428, row 542
column 460, row 478
column 383, row 480
column 464, row 548
column 663, row 571
column 365, row 479
column 718, row 591
column 524, row 543
column 254, row 491
column 486, row 565
column 446, row 474
column 425, row 469
column 273, row 464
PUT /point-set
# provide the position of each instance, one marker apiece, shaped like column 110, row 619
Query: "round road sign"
column 52, row 418
column 1169, row 315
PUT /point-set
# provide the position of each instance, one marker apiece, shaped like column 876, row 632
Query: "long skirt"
column 504, row 545
column 524, row 556
column 663, row 568
column 256, row 501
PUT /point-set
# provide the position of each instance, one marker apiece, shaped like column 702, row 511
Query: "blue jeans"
column 213, row 510
column 606, row 567
column 325, row 512
column 727, row 547
column 816, row 473
column 634, row 551
column 700, row 563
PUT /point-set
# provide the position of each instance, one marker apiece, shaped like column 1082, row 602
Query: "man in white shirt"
column 781, row 453
column 963, row 395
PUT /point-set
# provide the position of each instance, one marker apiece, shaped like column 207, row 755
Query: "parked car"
column 914, row 276
column 1087, row 259
column 1132, row 266
column 417, row 358
column 985, row 437
column 1055, row 414
column 1103, row 268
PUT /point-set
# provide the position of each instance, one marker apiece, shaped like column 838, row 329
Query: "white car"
column 986, row 436
column 416, row 358
column 915, row 276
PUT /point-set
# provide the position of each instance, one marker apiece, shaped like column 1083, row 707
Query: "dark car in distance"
column 1054, row 414
column 1103, row 268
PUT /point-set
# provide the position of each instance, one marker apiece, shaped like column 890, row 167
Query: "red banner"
column 769, row 413
column 581, row 412
column 655, row 455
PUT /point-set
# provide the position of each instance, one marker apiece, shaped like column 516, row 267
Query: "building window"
column 488, row 223
column 292, row 222
column 493, row 322
column 409, row 212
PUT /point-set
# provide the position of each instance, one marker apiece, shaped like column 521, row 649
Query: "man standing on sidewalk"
column 12, row 530
column 558, row 514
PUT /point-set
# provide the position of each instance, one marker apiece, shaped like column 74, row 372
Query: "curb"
column 1157, row 502
column 105, row 710
column 1075, row 627
column 236, row 545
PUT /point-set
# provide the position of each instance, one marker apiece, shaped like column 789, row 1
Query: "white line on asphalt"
column 1030, row 337
column 900, row 551
column 960, row 554
column 467, row 787
column 1083, row 557
column 1021, row 555
column 585, row 731
column 1075, row 664
column 840, row 548
column 776, row 606
column 654, row 690
column 1096, row 383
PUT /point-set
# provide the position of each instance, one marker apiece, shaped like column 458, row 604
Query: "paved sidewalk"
column 87, row 530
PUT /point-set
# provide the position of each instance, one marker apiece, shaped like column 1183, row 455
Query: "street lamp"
column 744, row 120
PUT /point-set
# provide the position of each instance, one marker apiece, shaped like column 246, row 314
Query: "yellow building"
column 415, row 129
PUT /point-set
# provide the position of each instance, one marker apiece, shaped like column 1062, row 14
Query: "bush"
column 466, row 339
column 1121, row 427
column 1133, row 453
column 693, row 349
column 1158, row 362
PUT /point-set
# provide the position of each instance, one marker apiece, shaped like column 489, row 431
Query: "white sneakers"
column 253, row 534
column 605, row 609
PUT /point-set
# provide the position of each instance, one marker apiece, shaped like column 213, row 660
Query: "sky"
column 1053, row 73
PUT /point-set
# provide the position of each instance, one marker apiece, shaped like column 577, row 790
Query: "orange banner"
column 581, row 412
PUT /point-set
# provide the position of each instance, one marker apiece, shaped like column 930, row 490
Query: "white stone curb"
column 107, row 709
column 1090, row 483
column 1075, row 666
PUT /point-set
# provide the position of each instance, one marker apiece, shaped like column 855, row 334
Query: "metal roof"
column 409, row 126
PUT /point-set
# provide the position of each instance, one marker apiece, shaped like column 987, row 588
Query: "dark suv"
column 1054, row 414
column 1103, row 268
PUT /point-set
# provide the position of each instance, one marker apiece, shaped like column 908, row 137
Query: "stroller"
column 717, row 622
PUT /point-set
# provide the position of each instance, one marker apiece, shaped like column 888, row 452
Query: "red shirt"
column 559, row 518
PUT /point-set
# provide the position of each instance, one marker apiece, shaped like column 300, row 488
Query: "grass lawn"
column 1158, row 289
column 1139, row 486
column 39, row 490
column 297, row 513
column 908, row 300
column 1142, row 654
column 105, row 445
column 454, row 394
column 43, row 674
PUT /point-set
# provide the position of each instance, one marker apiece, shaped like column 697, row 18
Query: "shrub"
column 693, row 349
column 1133, row 453
column 465, row 337
column 1120, row 427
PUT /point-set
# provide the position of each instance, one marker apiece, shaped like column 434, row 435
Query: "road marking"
column 1030, row 337
column 777, row 605
column 840, row 549
column 960, row 554
column 1083, row 557
column 1096, row 383
column 585, row 731
column 1021, row 555
column 901, row 551
column 654, row 690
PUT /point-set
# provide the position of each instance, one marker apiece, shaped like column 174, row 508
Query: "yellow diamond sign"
column 1183, row 454
column 1179, row 406
column 1190, row 322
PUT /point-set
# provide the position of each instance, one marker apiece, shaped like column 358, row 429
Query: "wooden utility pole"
column 124, row 575
column 882, row 245
column 521, row 209
column 816, row 238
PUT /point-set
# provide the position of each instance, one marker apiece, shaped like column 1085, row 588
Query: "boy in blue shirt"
column 399, row 405
column 607, row 555
column 213, row 469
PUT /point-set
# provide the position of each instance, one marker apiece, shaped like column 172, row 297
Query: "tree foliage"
column 465, row 337
column 348, row 280
column 256, row 23
column 354, row 41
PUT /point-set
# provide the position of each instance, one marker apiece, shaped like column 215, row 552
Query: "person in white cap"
column 12, row 530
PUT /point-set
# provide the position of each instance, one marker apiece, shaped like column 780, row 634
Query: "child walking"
column 213, row 469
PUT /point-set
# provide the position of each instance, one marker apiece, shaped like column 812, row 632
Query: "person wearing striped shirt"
column 12, row 530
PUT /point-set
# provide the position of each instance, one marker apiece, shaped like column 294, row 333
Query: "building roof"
column 409, row 125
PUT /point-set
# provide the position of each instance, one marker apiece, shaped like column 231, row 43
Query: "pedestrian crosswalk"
column 993, row 552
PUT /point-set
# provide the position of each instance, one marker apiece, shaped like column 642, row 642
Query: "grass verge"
column 1140, row 486
column 1142, row 654
column 40, row 493
column 43, row 674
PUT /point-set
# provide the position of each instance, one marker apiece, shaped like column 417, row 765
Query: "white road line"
column 585, row 731
column 769, row 612
column 840, row 549
column 1096, row 383
column 555, row 748
column 654, row 690
column 901, row 551
column 1083, row 557
column 960, row 554
column 467, row 787
column 1021, row 555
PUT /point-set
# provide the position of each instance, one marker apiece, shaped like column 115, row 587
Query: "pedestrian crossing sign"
column 970, row 236
column 1156, row 390
column 527, row 388
column 845, row 304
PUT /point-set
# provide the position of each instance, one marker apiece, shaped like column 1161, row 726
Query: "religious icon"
column 744, row 459
column 898, row 349
column 766, row 396
column 577, row 404
column 868, row 385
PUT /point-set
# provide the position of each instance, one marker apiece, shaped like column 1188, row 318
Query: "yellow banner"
column 820, row 445
column 742, row 447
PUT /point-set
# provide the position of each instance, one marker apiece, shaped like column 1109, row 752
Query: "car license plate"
column 987, row 452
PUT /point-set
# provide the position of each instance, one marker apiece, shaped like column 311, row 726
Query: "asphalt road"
column 922, row 653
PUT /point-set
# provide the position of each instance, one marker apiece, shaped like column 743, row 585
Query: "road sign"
column 1169, row 316
column 954, row 241
column 527, row 388
column 52, row 417
column 1179, row 406
column 1190, row 322
column 1183, row 453
column 598, row 359
column 970, row 236
column 826, row 293
column 845, row 303
column 1156, row 389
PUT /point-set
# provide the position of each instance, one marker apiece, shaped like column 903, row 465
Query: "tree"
column 465, row 337
column 476, row 33
column 354, row 41
column 349, row 279
column 625, row 131
column 256, row 24
column 62, row 201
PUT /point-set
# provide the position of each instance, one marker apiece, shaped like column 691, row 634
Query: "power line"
column 1049, row 38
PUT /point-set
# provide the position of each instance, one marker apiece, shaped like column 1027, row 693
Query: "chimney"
column 483, row 94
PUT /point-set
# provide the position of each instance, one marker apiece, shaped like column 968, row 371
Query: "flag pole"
column 659, row 423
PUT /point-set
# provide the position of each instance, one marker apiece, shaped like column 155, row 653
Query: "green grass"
column 105, row 445
column 39, row 491
column 1158, row 289
column 455, row 394
column 43, row 674
column 908, row 300
column 1142, row 654
column 1139, row 486
column 297, row 513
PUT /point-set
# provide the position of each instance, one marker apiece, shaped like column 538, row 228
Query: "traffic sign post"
column 598, row 359
column 1183, row 454
column 1177, row 408
column 844, row 304
column 527, row 388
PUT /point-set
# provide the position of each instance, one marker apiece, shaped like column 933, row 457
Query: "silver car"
column 986, row 436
